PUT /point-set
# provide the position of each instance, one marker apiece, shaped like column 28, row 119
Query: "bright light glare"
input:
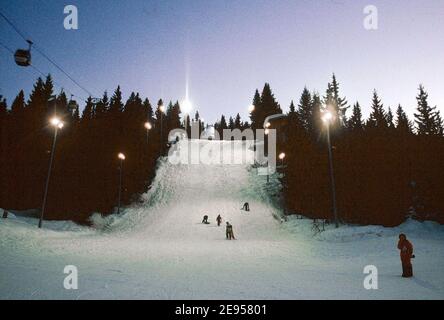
column 267, row 131
column 268, row 125
column 282, row 156
column 327, row 116
column 56, row 122
column 148, row 125
column 186, row 106
column 251, row 108
column 162, row 108
column 121, row 156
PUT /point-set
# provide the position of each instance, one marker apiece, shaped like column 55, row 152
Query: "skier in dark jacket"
column 205, row 219
column 246, row 206
column 406, row 252
column 229, row 232
column 219, row 220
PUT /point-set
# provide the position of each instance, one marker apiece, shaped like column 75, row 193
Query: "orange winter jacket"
column 406, row 249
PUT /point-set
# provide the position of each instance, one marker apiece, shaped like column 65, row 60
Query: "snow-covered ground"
column 159, row 249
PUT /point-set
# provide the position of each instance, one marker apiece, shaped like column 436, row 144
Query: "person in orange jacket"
column 406, row 252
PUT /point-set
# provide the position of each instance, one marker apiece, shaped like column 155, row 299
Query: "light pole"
column 282, row 157
column 148, row 127
column 121, row 156
column 266, row 132
column 327, row 118
column 162, row 110
column 57, row 124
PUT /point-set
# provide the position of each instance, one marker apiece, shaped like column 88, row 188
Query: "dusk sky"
column 227, row 49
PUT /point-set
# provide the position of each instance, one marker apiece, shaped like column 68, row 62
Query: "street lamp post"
column 162, row 110
column 148, row 127
column 266, row 132
column 57, row 124
column 282, row 157
column 327, row 118
column 121, row 156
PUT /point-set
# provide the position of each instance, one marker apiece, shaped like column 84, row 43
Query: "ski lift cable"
column 43, row 74
column 45, row 55
column 63, row 71
column 6, row 47
column 58, row 84
column 13, row 26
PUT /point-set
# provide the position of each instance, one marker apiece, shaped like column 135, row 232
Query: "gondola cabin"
column 22, row 57
column 72, row 106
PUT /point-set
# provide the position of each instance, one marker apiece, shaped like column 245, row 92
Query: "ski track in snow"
column 158, row 249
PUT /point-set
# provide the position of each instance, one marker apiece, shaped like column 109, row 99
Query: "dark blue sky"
column 227, row 49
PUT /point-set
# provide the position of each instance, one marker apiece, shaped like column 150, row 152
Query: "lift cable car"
column 22, row 57
column 72, row 104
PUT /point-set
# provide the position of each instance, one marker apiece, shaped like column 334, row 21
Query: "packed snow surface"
column 159, row 249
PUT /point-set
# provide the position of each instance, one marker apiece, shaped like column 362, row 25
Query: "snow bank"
column 349, row 233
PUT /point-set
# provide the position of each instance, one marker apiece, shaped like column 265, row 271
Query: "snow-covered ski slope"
column 158, row 248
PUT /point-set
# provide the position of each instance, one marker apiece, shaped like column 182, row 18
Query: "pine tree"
column 355, row 121
column 254, row 115
column 269, row 105
column 3, row 108
column 231, row 123
column 159, row 114
column 265, row 105
column 426, row 118
column 439, row 125
column 61, row 107
column 292, row 108
column 88, row 111
column 173, row 116
column 222, row 126
column 402, row 122
column 238, row 122
column 48, row 88
column 390, row 121
column 18, row 105
column 292, row 114
column 305, row 110
column 329, row 100
column 378, row 117
column 188, row 125
column 116, row 104
column 316, row 121
column 340, row 104
column 148, row 110
column 101, row 107
column 37, row 97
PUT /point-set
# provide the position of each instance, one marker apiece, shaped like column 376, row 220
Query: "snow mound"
column 350, row 233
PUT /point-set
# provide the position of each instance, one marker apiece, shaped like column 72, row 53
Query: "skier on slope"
column 205, row 219
column 406, row 252
column 219, row 220
column 246, row 206
column 229, row 232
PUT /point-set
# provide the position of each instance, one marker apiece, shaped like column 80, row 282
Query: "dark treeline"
column 386, row 167
column 265, row 105
column 231, row 124
column 85, row 173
